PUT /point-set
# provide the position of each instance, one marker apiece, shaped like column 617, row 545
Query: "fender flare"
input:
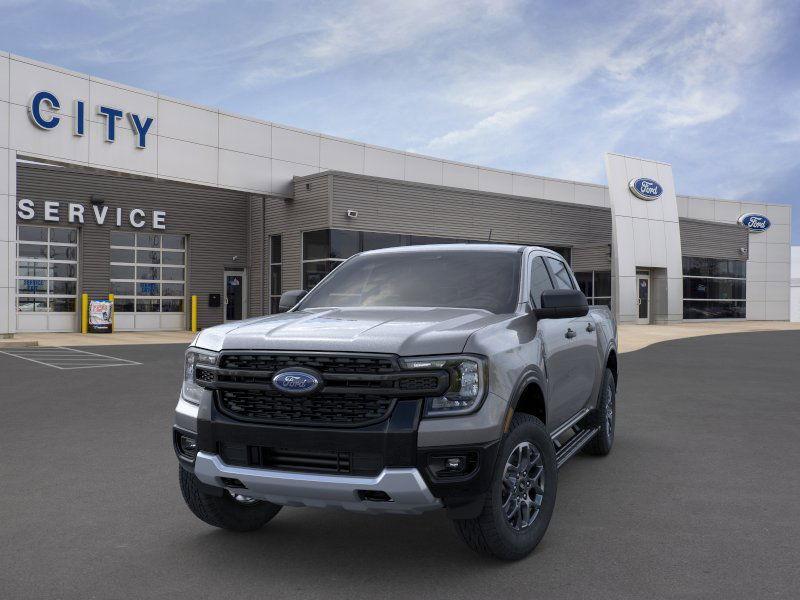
column 528, row 377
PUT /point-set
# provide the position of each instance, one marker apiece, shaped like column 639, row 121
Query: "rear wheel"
column 606, row 417
column 234, row 513
column 518, row 507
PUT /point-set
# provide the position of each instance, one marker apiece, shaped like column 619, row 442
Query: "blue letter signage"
column 754, row 222
column 44, row 104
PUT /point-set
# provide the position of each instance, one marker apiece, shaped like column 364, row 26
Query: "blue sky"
column 541, row 87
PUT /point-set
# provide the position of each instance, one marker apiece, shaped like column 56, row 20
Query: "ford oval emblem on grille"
column 295, row 382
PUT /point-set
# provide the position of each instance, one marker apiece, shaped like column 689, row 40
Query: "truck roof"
column 484, row 247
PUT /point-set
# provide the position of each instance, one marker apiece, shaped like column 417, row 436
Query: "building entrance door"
column 235, row 289
column 643, row 300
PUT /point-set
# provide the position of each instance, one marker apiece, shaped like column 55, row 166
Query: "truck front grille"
column 301, row 460
column 324, row 409
column 321, row 362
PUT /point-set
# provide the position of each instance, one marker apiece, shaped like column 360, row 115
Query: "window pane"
column 273, row 305
column 602, row 283
column 147, row 306
column 148, row 240
column 122, row 289
column 118, row 272
column 714, row 267
column 275, row 280
column 602, row 301
column 375, row 241
column 714, row 289
column 420, row 240
column 540, row 281
column 32, row 269
column 29, row 233
column 62, row 304
column 123, row 304
column 147, row 289
column 31, row 286
column 314, row 272
column 561, row 277
column 148, row 257
column 316, row 244
column 344, row 243
column 275, row 250
column 64, row 235
column 175, row 305
column 585, row 283
column 64, row 252
column 173, row 258
column 123, row 256
column 172, row 273
column 67, row 288
column 31, row 251
column 175, row 242
column 693, row 309
column 63, row 270
column 119, row 238
column 31, row 304
column 172, row 289
column 147, row 272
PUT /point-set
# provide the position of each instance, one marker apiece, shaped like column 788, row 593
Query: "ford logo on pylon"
column 646, row 189
column 294, row 382
column 754, row 222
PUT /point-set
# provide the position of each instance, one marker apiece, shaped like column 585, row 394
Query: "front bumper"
column 404, row 489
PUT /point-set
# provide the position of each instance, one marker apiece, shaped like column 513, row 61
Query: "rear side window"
column 561, row 277
column 540, row 280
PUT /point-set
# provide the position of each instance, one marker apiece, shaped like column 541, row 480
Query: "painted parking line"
column 68, row 359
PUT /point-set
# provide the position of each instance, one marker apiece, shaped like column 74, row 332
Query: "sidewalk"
column 632, row 337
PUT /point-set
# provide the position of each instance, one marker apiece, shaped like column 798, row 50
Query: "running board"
column 576, row 442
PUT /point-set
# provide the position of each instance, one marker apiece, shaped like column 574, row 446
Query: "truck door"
column 571, row 350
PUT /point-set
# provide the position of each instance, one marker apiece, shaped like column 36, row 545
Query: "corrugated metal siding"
column 256, row 256
column 712, row 240
column 402, row 207
column 307, row 211
column 591, row 258
column 214, row 220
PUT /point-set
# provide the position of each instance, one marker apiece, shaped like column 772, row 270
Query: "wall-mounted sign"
column 100, row 316
column 78, row 213
column 646, row 189
column 754, row 222
column 45, row 106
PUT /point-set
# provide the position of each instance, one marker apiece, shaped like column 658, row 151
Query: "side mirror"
column 289, row 299
column 562, row 304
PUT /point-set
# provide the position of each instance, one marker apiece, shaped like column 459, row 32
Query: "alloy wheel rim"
column 609, row 412
column 522, row 486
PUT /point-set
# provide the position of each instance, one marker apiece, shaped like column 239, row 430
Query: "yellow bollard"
column 113, row 312
column 194, row 313
column 84, row 313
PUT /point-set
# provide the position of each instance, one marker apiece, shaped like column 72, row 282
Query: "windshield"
column 450, row 278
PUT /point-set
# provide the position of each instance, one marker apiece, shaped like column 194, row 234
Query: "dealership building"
column 107, row 189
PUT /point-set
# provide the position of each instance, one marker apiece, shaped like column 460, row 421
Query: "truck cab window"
column 540, row 280
column 561, row 277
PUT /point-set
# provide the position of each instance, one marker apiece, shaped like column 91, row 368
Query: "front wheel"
column 234, row 513
column 601, row 443
column 518, row 507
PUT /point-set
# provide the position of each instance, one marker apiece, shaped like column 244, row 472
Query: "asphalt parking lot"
column 699, row 499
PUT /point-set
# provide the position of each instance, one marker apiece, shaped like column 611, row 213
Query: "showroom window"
column 47, row 269
column 324, row 249
column 148, row 272
column 275, row 268
column 596, row 286
column 714, row 288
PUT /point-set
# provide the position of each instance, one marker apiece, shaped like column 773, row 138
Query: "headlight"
column 467, row 383
column 194, row 356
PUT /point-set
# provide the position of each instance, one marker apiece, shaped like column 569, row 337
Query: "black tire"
column 491, row 533
column 223, row 511
column 606, row 417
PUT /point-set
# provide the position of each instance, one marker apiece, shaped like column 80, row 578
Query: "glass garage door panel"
column 148, row 280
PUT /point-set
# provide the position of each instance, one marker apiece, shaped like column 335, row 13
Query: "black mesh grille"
column 323, row 364
column 301, row 460
column 418, row 383
column 327, row 409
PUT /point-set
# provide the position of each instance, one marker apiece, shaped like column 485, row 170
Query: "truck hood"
column 402, row 331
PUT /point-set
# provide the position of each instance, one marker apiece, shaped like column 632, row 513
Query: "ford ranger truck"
column 456, row 377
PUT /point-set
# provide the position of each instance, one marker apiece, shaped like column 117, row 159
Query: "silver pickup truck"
column 410, row 379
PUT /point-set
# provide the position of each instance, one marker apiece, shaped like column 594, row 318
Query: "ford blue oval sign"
column 754, row 222
column 646, row 189
column 295, row 382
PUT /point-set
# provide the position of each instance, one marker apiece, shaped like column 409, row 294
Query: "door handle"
column 570, row 334
column 590, row 327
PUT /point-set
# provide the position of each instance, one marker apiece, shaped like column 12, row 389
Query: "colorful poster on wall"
column 100, row 316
